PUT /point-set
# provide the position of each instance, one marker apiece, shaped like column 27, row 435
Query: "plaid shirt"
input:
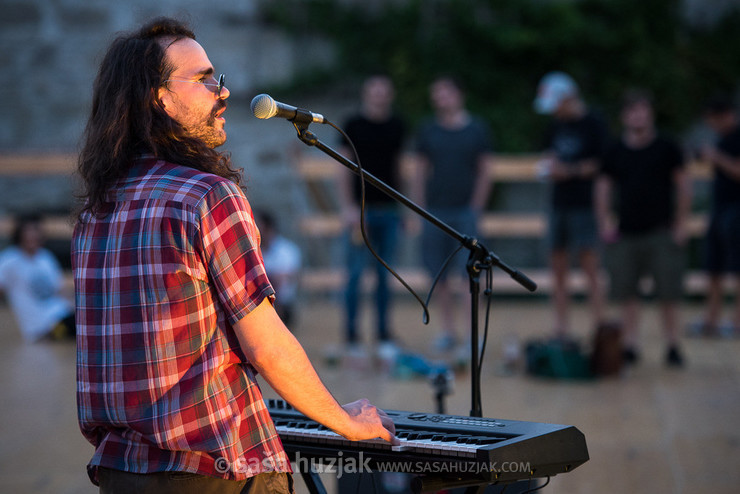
column 160, row 278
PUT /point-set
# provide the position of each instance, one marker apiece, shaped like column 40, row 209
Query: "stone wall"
column 50, row 50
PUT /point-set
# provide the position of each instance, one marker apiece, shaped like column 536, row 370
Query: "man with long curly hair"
column 174, row 310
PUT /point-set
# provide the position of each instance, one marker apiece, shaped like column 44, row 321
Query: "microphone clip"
column 303, row 117
column 301, row 126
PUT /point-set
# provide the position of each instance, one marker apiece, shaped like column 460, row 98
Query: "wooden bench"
column 56, row 226
column 328, row 280
column 324, row 222
column 53, row 163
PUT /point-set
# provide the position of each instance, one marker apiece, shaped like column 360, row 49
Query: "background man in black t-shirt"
column 649, row 233
column 378, row 135
column 573, row 147
column 723, row 236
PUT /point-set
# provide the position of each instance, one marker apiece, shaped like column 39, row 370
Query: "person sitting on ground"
column 282, row 259
column 32, row 279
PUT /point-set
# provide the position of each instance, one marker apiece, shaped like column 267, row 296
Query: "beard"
column 206, row 130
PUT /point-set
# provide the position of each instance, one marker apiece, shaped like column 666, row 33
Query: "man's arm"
column 483, row 183
column 558, row 171
column 602, row 203
column 275, row 353
column 417, row 180
column 587, row 168
column 348, row 203
column 682, row 182
column 728, row 164
column 415, row 186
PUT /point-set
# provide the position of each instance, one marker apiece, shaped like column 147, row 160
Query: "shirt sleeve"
column 231, row 251
column 420, row 142
column 4, row 265
column 485, row 142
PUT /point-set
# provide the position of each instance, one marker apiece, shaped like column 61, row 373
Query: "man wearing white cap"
column 573, row 146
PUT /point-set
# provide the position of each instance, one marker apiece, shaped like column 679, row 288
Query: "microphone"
column 264, row 106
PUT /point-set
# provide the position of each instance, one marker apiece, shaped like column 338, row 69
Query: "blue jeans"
column 381, row 226
column 437, row 245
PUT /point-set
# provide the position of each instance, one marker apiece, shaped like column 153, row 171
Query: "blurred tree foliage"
column 501, row 48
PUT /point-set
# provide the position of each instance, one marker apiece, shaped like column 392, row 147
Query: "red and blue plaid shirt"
column 161, row 275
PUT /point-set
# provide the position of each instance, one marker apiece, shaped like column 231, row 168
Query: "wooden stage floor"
column 653, row 430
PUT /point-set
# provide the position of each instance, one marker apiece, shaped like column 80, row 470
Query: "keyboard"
column 437, row 446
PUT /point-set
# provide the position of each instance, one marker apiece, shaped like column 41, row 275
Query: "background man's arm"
column 682, row 181
column 602, row 205
column 483, row 184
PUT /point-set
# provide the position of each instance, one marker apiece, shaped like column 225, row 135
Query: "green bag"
column 557, row 359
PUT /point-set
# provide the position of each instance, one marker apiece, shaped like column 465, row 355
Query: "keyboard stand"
column 423, row 483
column 313, row 482
column 316, row 486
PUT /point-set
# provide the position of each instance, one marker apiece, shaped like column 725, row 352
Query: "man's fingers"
column 390, row 437
column 388, row 423
column 363, row 411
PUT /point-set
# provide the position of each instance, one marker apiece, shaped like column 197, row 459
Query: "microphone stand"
column 479, row 259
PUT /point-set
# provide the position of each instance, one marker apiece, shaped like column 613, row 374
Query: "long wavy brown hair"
column 127, row 118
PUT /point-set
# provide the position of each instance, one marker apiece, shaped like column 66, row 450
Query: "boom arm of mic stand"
column 469, row 242
column 480, row 257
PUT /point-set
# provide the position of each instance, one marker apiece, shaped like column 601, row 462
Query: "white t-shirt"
column 283, row 258
column 31, row 284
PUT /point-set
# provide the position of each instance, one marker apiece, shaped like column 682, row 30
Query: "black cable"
column 361, row 173
column 437, row 277
column 488, row 292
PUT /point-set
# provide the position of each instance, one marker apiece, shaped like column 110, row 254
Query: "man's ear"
column 163, row 95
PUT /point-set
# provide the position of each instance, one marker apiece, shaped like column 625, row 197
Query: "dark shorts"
column 723, row 242
column 653, row 254
column 437, row 245
column 572, row 229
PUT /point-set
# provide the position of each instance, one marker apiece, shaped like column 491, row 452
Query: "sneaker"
column 673, row 357
column 387, row 352
column 355, row 357
column 332, row 355
column 511, row 355
column 700, row 329
column 727, row 330
column 630, row 356
column 444, row 343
